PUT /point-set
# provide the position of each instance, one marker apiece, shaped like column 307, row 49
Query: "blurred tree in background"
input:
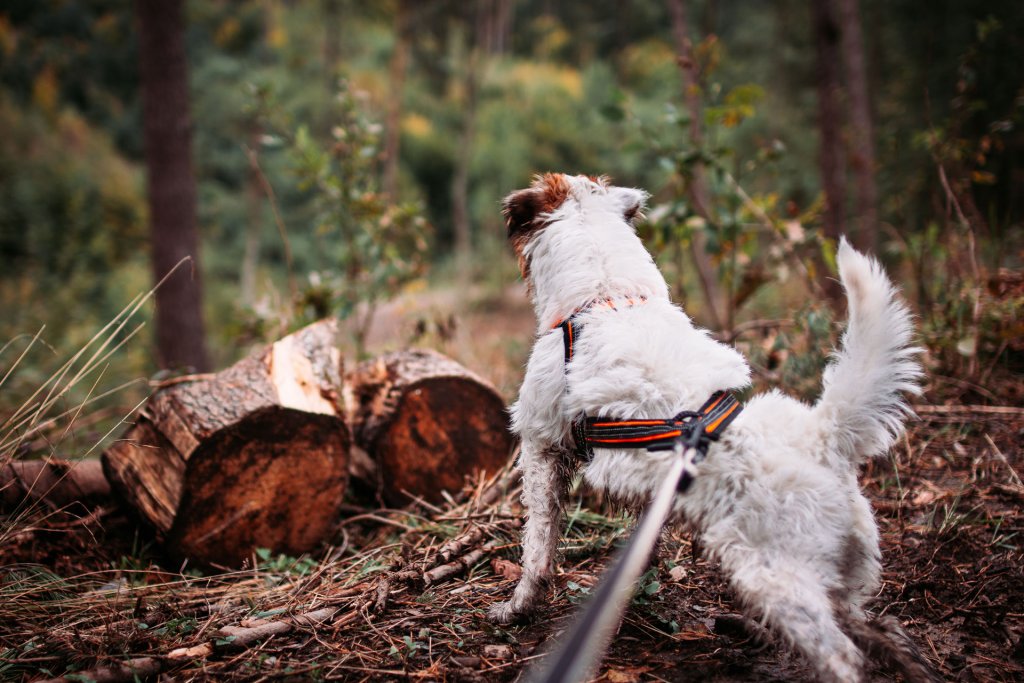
column 171, row 185
column 715, row 107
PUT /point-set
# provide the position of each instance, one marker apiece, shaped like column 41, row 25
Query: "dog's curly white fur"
column 777, row 500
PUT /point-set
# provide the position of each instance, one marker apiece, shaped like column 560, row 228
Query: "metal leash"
column 582, row 647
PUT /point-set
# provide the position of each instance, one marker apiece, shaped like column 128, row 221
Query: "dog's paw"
column 504, row 613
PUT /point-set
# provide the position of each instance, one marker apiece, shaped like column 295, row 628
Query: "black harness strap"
column 570, row 329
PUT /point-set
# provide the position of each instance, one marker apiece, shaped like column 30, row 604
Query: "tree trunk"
column 494, row 26
column 332, row 43
column 254, row 456
column 833, row 180
column 55, row 483
column 393, row 125
column 862, row 142
column 254, row 223
column 427, row 423
column 467, row 53
column 698, row 185
column 171, row 186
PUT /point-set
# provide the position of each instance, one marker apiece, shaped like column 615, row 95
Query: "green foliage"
column 370, row 245
column 578, row 87
column 748, row 236
column 283, row 564
column 970, row 305
column 70, row 207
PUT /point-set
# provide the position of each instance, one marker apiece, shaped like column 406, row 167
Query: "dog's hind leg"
column 544, row 488
column 885, row 642
column 795, row 605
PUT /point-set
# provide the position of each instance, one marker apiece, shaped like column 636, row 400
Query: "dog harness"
column 689, row 429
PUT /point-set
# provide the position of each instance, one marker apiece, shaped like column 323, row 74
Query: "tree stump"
column 426, row 423
column 253, row 456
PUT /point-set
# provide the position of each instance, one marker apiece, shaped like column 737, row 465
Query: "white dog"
column 776, row 501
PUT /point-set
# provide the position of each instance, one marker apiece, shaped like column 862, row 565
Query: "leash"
column 579, row 653
column 689, row 435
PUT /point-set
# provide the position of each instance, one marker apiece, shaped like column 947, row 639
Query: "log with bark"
column 426, row 422
column 53, row 482
column 253, row 456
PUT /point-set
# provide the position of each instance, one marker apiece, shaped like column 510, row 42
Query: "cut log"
column 255, row 456
column 426, row 422
column 54, row 483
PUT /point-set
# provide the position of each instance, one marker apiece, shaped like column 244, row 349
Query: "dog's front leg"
column 544, row 489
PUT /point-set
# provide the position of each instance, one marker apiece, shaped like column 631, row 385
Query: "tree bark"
column 862, row 137
column 171, row 185
column 254, row 456
column 426, row 422
column 833, row 180
column 698, row 185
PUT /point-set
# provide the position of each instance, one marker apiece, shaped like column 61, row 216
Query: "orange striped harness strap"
column 697, row 429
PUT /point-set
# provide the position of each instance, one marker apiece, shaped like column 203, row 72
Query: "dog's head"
column 528, row 212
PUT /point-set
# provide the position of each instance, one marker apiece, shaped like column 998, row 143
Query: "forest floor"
column 402, row 594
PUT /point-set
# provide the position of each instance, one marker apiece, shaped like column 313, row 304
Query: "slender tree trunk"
column 697, row 186
column 393, row 124
column 254, row 224
column 469, row 54
column 826, row 38
column 494, row 25
column 862, row 142
column 171, row 185
column 332, row 42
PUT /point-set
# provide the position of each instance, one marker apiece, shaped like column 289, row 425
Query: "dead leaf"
column 506, row 569
column 625, row 675
column 677, row 573
column 923, row 498
column 497, row 652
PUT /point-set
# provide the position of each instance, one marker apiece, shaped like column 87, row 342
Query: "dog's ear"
column 632, row 201
column 520, row 209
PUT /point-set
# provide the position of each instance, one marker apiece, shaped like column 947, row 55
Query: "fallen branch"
column 226, row 638
column 55, row 483
column 1014, row 477
column 464, row 563
column 455, row 554
column 956, row 411
column 130, row 670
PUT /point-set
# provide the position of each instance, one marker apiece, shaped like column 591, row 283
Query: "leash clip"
column 691, row 446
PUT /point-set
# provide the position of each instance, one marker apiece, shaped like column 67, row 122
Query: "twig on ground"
column 999, row 454
column 956, row 411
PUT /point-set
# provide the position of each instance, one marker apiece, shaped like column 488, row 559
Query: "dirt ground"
column 402, row 594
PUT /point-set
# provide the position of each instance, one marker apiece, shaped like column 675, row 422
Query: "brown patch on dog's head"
column 523, row 208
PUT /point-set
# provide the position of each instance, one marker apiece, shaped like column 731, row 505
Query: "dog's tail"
column 862, row 401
